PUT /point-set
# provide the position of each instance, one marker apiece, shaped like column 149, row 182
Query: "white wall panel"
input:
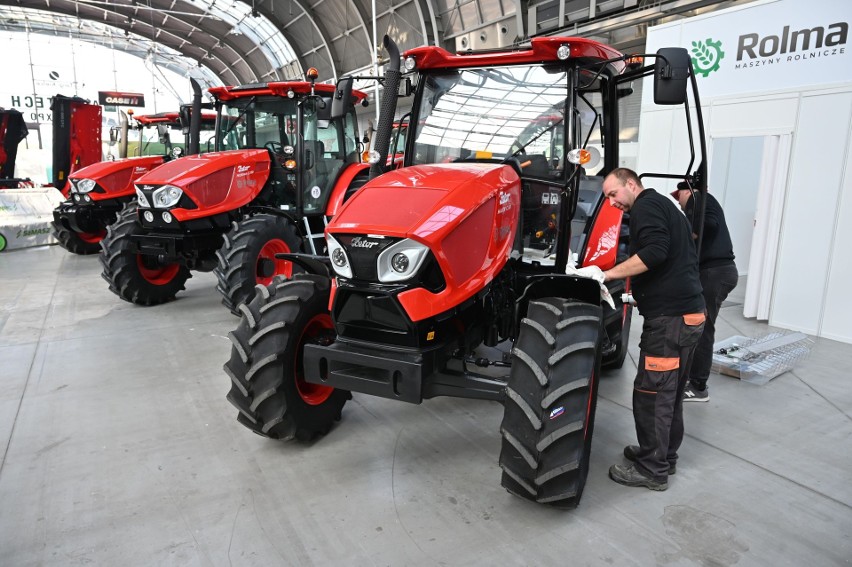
column 744, row 116
column 819, row 153
column 837, row 318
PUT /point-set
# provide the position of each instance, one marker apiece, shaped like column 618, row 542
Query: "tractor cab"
column 167, row 134
column 292, row 121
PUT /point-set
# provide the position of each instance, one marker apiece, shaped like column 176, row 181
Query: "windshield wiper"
column 239, row 116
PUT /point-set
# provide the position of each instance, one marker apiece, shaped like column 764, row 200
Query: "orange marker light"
column 312, row 73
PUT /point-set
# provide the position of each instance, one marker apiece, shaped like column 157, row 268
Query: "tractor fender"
column 558, row 285
column 340, row 191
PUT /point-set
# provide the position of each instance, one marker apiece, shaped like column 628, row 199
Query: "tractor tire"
column 247, row 258
column 137, row 278
column 551, row 395
column 267, row 385
column 620, row 336
column 83, row 243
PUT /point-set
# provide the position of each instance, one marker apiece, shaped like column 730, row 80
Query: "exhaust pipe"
column 195, row 119
column 387, row 110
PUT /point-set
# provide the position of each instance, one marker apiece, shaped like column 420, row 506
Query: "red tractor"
column 285, row 159
column 447, row 276
column 99, row 191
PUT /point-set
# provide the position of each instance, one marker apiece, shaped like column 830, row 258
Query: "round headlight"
column 400, row 263
column 339, row 261
column 77, row 198
column 167, row 217
column 87, row 198
column 564, row 51
column 338, row 257
column 149, row 216
column 289, row 150
column 409, row 63
column 374, row 157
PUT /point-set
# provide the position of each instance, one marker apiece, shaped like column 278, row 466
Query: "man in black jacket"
column 718, row 274
column 663, row 265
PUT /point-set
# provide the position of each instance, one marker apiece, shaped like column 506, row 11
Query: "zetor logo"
column 243, row 168
column 359, row 242
column 706, row 56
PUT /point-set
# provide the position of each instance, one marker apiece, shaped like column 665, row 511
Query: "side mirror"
column 404, row 87
column 184, row 115
column 671, row 72
column 342, row 100
column 163, row 133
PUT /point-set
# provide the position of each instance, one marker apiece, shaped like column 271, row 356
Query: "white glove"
column 592, row 273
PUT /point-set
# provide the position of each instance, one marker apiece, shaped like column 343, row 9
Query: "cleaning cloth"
column 593, row 273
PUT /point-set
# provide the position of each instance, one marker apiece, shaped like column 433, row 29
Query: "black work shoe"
column 629, row 476
column 693, row 394
column 630, row 454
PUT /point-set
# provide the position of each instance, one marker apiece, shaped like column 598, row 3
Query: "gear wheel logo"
column 706, row 56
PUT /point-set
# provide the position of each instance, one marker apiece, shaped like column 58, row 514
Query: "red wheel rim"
column 312, row 394
column 92, row 237
column 280, row 267
column 155, row 273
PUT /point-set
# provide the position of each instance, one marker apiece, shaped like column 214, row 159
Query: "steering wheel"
column 274, row 147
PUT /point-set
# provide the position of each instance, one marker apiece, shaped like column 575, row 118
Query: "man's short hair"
column 624, row 174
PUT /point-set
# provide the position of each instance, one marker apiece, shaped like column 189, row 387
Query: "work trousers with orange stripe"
column 665, row 355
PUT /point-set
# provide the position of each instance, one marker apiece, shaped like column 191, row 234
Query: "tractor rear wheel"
column 82, row 243
column 247, row 258
column 551, row 395
column 267, row 379
column 137, row 278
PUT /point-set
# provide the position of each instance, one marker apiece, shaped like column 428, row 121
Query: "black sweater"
column 716, row 246
column 660, row 235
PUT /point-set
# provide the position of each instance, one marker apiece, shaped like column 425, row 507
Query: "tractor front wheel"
column 247, row 258
column 266, row 369
column 137, row 278
column 82, row 243
column 551, row 396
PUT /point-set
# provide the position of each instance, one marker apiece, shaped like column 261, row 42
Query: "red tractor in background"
column 285, row 159
column 440, row 282
column 99, row 191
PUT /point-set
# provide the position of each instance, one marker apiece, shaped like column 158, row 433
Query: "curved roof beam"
column 320, row 30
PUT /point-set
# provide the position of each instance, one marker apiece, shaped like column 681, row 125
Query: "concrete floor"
column 119, row 448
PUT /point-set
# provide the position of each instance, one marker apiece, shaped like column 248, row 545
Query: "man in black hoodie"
column 663, row 265
column 718, row 274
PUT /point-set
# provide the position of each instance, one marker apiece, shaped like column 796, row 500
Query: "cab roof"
column 539, row 50
column 171, row 118
column 302, row 88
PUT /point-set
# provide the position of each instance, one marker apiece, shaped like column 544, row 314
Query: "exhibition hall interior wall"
column 775, row 80
column 44, row 66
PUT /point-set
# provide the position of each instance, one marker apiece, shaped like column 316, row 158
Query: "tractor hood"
column 216, row 183
column 427, row 201
column 190, row 169
column 115, row 178
column 465, row 213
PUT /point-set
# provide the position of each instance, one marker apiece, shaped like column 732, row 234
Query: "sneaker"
column 630, row 454
column 629, row 476
column 693, row 394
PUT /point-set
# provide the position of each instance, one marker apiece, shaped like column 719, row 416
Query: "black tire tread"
column 545, row 442
column 263, row 387
column 237, row 257
column 120, row 269
column 72, row 242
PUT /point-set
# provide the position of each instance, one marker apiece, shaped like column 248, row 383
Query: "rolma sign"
column 117, row 98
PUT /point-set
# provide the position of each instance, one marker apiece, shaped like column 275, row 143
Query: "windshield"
column 256, row 121
column 150, row 142
column 494, row 113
